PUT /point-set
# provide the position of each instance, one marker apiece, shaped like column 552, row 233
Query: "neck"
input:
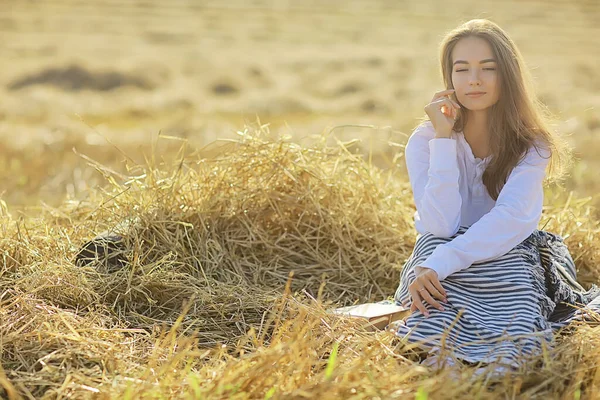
column 477, row 133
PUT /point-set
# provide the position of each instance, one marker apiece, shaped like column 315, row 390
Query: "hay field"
column 251, row 153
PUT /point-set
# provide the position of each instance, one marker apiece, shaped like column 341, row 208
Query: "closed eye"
column 485, row 69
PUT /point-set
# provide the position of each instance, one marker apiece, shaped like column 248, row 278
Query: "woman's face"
column 472, row 72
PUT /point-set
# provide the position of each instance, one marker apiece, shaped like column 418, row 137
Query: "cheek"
column 494, row 82
column 454, row 80
column 456, row 84
column 459, row 80
column 496, row 86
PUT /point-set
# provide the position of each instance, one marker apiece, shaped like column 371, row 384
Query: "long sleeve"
column 434, row 177
column 514, row 217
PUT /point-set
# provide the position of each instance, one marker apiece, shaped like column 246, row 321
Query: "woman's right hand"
column 442, row 112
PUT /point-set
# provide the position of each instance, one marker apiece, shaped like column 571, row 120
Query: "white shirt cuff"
column 444, row 261
column 442, row 154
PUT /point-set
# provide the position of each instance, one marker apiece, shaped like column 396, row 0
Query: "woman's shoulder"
column 425, row 128
column 538, row 154
column 423, row 132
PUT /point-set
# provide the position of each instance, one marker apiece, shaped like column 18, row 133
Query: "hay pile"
column 206, row 304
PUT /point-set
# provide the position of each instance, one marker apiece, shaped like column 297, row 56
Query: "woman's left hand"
column 425, row 287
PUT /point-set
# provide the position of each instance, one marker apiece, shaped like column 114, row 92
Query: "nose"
column 474, row 78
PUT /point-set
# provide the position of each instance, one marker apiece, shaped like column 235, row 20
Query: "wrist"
column 439, row 135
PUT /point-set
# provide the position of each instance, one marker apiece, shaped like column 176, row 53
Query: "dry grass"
column 233, row 260
column 206, row 305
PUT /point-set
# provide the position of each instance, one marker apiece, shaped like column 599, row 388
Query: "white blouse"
column 448, row 192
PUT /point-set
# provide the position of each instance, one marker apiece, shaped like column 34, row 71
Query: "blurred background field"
column 120, row 111
column 79, row 74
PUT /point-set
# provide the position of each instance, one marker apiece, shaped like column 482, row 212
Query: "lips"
column 475, row 93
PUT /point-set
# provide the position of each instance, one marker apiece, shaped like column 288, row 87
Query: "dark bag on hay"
column 107, row 249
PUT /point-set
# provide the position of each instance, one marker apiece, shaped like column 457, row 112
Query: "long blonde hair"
column 518, row 120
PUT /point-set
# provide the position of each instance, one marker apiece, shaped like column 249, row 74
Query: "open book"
column 378, row 315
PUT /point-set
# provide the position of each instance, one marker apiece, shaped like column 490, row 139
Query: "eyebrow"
column 487, row 60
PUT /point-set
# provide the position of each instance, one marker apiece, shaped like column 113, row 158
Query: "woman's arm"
column 515, row 216
column 433, row 173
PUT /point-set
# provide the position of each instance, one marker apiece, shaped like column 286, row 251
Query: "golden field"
column 255, row 150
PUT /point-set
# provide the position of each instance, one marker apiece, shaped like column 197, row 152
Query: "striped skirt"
column 501, row 310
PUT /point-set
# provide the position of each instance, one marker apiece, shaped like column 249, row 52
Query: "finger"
column 445, row 107
column 453, row 113
column 455, row 116
column 439, row 286
column 417, row 303
column 444, row 110
column 449, row 112
column 422, row 308
column 413, row 305
column 434, row 291
column 454, row 109
column 427, row 297
column 449, row 97
column 446, row 101
column 441, row 93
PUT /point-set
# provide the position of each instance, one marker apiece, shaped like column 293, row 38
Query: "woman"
column 482, row 279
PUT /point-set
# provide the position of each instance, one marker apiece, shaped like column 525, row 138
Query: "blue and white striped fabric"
column 503, row 309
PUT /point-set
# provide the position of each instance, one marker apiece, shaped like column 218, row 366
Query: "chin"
column 476, row 107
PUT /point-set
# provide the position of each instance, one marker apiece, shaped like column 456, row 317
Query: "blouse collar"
column 460, row 137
